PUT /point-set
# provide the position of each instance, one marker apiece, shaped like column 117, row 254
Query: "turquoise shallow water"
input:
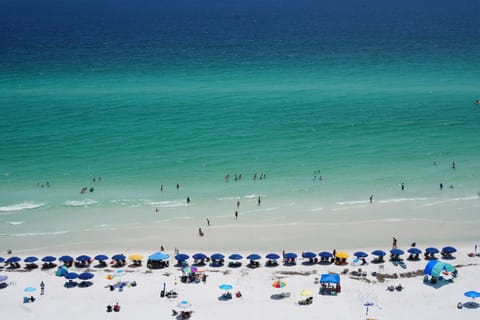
column 370, row 105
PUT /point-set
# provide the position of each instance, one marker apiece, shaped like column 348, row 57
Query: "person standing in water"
column 371, row 198
column 259, row 201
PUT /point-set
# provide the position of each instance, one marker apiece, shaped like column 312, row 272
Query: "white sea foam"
column 15, row 223
column 21, row 206
column 395, row 200
column 250, row 196
column 80, row 203
column 32, row 234
column 347, row 203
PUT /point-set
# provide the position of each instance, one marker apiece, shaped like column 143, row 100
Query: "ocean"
column 327, row 103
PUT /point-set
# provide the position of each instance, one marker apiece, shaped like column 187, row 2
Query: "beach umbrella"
column 120, row 273
column 30, row 259
column 3, row 278
column 13, row 260
column 272, row 256
column 101, row 257
column 472, row 294
column 136, row 257
column 360, row 254
column 71, row 275
column 189, row 270
column 85, row 276
column 65, row 258
column 48, row 259
column 119, row 257
column 181, row 257
column 432, row 250
column 158, row 256
column 330, row 278
column 397, row 252
column 279, row 284
column 83, row 258
column 217, row 256
column 30, row 289
column 290, row 255
column 325, row 254
column 199, row 256
column 414, row 251
column 306, row 293
column 379, row 253
column 342, row 255
column 2, row 259
column 254, row 256
column 184, row 304
column 225, row 287
column 449, row 250
column 309, row 255
column 235, row 256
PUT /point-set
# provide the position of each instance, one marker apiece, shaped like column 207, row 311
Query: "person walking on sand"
column 208, row 222
column 371, row 198
column 394, row 243
column 42, row 288
column 236, row 214
column 238, row 204
column 259, row 201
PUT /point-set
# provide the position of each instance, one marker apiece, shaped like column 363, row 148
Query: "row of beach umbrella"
column 159, row 256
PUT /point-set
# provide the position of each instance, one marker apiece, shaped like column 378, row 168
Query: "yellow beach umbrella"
column 135, row 257
column 342, row 255
column 306, row 293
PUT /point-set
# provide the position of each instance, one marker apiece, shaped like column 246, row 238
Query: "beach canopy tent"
column 66, row 258
column 158, row 256
column 360, row 254
column 330, row 278
column 379, row 253
column 434, row 268
column 199, row 256
column 254, row 256
column 290, row 255
column 30, row 259
column 414, row 251
column 49, row 259
column 119, row 257
column 432, row 250
column 449, row 250
column 181, row 257
column 13, row 260
column 101, row 257
column 309, row 255
column 235, row 256
column 272, row 256
column 217, row 256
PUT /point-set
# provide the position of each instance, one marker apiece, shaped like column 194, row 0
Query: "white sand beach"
column 416, row 299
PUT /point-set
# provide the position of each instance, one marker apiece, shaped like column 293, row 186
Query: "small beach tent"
column 434, row 268
column 330, row 278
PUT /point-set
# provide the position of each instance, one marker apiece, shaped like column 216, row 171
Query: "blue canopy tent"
column 447, row 252
column 235, row 263
column 158, row 260
column 437, row 269
column 395, row 254
column 329, row 284
column 414, row 254
column 290, row 258
column 217, row 259
column 13, row 262
column 254, row 260
column 272, row 260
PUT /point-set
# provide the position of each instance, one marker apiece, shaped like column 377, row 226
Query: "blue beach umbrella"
column 184, row 304
column 217, row 256
column 225, row 287
column 30, row 259
column 83, row 258
column 272, row 256
column 432, row 250
column 30, row 289
column 309, row 255
column 65, row 258
column 472, row 294
column 290, row 255
column 119, row 257
column 181, row 257
column 2, row 259
column 3, row 278
column 48, row 259
column 414, row 251
column 13, row 260
column 71, row 275
column 449, row 250
column 325, row 254
column 254, row 256
column 199, row 256
column 101, row 257
column 360, row 254
column 379, row 253
column 85, row 276
column 158, row 256
column 397, row 252
column 235, row 256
